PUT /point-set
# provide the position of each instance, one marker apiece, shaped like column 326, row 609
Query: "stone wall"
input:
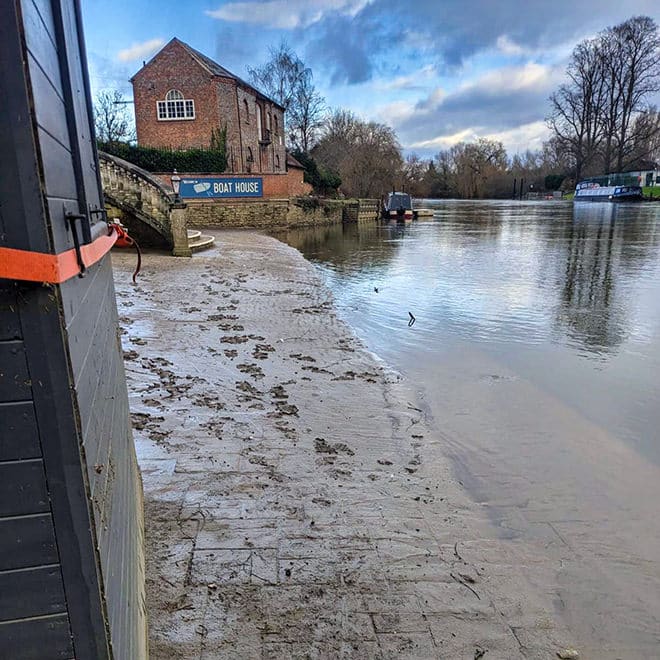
column 270, row 214
column 368, row 209
column 219, row 214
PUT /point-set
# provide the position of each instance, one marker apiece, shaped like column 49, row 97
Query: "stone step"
column 193, row 233
column 200, row 242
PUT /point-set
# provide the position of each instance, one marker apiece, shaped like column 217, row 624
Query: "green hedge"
column 167, row 160
column 324, row 181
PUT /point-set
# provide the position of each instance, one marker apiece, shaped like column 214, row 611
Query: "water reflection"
column 594, row 310
column 339, row 245
column 568, row 295
column 536, row 351
column 523, row 272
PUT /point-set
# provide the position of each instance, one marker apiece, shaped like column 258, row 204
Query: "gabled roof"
column 212, row 67
column 293, row 162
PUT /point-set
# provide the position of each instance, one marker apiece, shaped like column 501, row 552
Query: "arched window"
column 268, row 121
column 277, row 162
column 259, row 130
column 250, row 157
column 175, row 106
column 246, row 110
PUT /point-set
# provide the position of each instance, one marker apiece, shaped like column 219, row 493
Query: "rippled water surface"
column 536, row 350
column 569, row 297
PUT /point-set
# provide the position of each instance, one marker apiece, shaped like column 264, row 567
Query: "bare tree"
column 366, row 155
column 414, row 173
column 280, row 75
column 645, row 141
column 577, row 106
column 634, row 74
column 305, row 114
column 286, row 79
column 597, row 117
column 476, row 165
column 111, row 118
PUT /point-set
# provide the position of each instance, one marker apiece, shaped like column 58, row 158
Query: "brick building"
column 181, row 95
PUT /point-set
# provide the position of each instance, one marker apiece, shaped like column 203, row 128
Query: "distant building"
column 648, row 177
column 181, row 96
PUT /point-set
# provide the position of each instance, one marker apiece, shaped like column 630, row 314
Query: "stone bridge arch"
column 143, row 204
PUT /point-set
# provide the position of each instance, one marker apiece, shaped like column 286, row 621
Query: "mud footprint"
column 234, row 339
column 261, row 351
column 324, row 447
column 248, row 388
column 252, row 369
column 288, row 431
column 316, row 370
column 302, row 358
column 278, row 392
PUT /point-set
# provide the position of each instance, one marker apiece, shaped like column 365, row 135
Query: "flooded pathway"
column 298, row 502
column 537, row 351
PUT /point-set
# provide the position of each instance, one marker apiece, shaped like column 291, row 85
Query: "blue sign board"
column 228, row 186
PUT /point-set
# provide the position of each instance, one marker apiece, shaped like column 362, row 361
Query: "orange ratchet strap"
column 52, row 268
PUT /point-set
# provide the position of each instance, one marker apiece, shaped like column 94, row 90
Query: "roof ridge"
column 212, row 67
column 217, row 69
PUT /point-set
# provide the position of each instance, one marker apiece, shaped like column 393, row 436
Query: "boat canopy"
column 399, row 201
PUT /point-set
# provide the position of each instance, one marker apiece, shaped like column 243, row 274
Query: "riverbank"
column 297, row 501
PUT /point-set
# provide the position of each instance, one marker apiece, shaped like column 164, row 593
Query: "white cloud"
column 508, row 47
column 446, row 141
column 392, row 113
column 286, row 14
column 141, row 50
column 528, row 76
column 416, row 80
column 516, row 140
column 519, row 139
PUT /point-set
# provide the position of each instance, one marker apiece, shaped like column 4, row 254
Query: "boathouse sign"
column 228, row 186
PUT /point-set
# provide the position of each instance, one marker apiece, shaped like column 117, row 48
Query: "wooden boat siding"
column 71, row 532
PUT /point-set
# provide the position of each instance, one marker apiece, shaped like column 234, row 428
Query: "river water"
column 536, row 349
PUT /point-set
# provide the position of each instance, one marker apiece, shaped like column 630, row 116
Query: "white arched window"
column 175, row 106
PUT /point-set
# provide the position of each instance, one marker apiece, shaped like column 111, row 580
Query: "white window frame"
column 175, row 107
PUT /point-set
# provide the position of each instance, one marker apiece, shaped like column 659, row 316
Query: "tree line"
column 601, row 120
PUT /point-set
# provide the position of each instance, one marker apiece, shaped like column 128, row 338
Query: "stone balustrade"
column 138, row 194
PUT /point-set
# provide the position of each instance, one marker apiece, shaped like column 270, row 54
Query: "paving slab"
column 298, row 503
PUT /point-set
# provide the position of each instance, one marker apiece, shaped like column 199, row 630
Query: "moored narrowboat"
column 590, row 191
column 398, row 206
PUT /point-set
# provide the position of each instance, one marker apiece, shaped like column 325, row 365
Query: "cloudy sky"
column 437, row 71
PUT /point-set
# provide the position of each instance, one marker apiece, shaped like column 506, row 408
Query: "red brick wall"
column 297, row 186
column 265, row 157
column 218, row 102
column 275, row 186
column 174, row 68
